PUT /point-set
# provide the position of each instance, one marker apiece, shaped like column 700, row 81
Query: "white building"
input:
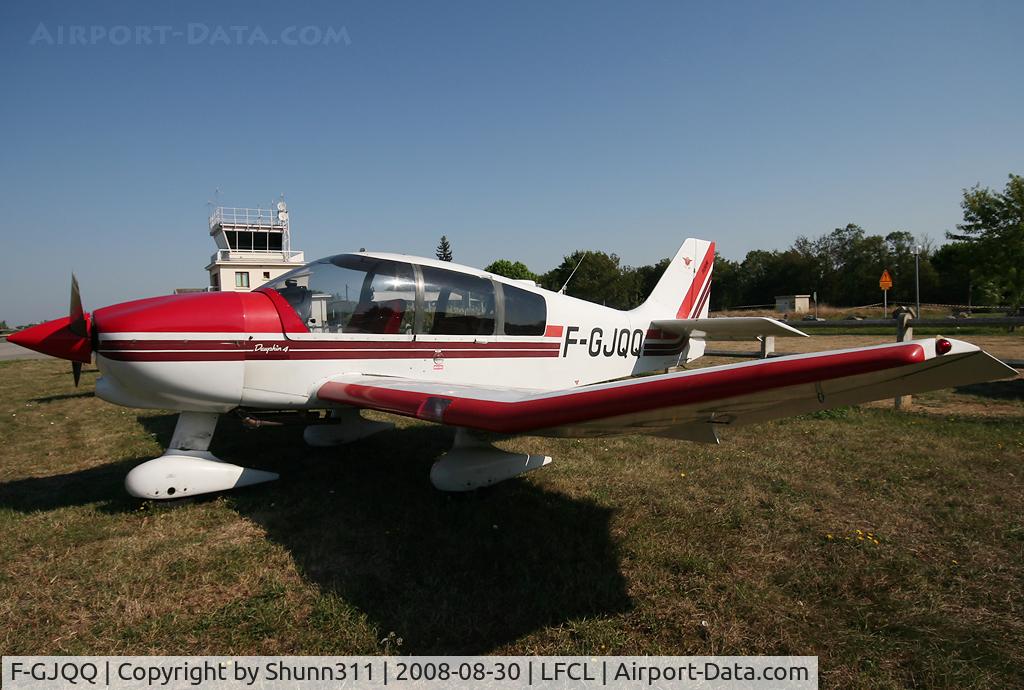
column 798, row 304
column 253, row 246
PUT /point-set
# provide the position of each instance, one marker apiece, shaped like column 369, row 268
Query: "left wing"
column 691, row 404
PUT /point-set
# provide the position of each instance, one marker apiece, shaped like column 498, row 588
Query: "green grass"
column 627, row 545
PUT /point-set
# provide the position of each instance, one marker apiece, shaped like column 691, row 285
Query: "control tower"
column 253, row 246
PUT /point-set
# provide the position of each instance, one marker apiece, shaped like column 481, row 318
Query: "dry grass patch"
column 889, row 544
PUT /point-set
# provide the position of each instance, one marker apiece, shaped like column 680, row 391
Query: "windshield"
column 351, row 294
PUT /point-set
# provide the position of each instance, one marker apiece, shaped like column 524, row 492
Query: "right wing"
column 690, row 404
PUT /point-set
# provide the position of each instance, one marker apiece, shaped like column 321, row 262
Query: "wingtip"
column 785, row 326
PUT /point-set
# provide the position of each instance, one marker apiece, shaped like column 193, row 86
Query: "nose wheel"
column 188, row 468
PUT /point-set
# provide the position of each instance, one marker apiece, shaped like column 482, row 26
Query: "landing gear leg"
column 473, row 463
column 188, row 468
column 350, row 426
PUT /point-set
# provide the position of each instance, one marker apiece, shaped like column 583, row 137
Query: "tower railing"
column 257, row 255
column 253, row 217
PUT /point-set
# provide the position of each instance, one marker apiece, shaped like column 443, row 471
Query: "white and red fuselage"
column 213, row 352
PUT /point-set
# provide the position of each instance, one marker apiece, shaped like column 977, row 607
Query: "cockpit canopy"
column 354, row 293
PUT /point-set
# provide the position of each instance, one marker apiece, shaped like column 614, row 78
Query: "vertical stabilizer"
column 684, row 290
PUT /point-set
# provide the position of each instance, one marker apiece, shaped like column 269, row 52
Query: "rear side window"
column 526, row 312
column 456, row 303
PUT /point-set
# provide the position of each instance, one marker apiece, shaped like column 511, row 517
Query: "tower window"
column 266, row 275
column 241, row 279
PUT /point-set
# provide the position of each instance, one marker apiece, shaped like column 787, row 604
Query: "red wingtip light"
column 942, row 346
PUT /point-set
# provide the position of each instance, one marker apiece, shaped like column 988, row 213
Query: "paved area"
column 12, row 351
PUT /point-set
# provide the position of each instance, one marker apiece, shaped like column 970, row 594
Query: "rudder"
column 684, row 290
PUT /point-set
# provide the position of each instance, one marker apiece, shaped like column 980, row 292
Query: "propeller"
column 78, row 324
column 72, row 338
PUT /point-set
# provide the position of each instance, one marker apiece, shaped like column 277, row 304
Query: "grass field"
column 889, row 544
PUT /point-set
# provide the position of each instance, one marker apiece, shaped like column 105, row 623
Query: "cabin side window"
column 457, row 303
column 526, row 312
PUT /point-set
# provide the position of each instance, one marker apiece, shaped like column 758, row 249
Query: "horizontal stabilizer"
column 728, row 328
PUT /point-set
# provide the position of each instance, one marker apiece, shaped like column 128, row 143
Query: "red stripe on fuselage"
column 245, row 343
column 297, row 355
column 293, row 350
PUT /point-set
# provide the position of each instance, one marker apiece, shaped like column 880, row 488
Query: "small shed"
column 793, row 304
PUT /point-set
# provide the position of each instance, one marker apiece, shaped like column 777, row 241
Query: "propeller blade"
column 78, row 324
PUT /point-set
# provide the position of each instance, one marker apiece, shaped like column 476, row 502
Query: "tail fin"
column 685, row 288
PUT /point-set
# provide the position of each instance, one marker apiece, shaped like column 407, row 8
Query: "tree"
column 3, row 326
column 642, row 280
column 726, row 287
column 957, row 281
column 762, row 275
column 994, row 226
column 444, row 249
column 516, row 270
column 829, row 259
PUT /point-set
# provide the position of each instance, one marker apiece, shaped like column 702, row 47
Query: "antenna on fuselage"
column 562, row 291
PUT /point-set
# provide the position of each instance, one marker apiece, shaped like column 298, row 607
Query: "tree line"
column 981, row 264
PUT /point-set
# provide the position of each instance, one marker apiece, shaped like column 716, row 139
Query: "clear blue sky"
column 519, row 129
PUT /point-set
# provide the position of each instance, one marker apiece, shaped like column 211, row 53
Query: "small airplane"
column 458, row 346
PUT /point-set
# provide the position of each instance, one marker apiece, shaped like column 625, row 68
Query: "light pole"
column 917, row 279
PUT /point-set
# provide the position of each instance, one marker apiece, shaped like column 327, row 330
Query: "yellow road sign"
column 885, row 282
